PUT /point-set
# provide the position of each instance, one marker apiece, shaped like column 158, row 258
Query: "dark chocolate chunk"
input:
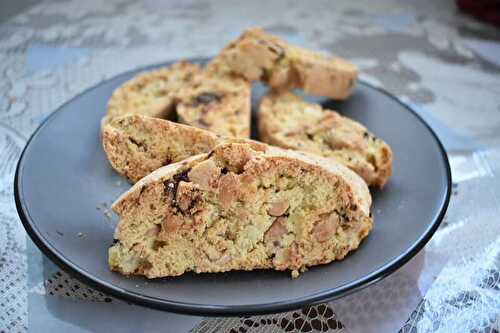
column 170, row 186
column 206, row 98
column 140, row 145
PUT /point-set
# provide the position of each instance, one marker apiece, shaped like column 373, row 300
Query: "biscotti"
column 257, row 55
column 286, row 120
column 152, row 93
column 137, row 145
column 237, row 208
column 217, row 102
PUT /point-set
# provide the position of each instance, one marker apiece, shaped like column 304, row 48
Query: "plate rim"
column 223, row 310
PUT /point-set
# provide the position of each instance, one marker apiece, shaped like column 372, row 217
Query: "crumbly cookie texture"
column 218, row 102
column 257, row 55
column 237, row 208
column 288, row 121
column 204, row 98
column 152, row 93
column 136, row 145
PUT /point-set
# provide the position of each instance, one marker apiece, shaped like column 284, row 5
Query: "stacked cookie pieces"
column 209, row 199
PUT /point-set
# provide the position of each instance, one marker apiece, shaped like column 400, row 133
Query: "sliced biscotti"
column 152, row 93
column 237, row 208
column 218, row 102
column 288, row 121
column 136, row 145
column 257, row 55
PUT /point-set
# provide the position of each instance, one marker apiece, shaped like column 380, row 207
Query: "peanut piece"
column 276, row 231
column 205, row 174
column 278, row 208
column 326, row 228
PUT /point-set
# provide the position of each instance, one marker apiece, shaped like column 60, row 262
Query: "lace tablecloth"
column 446, row 65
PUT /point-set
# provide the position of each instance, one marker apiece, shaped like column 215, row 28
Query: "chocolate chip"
column 224, row 170
column 158, row 244
column 167, row 160
column 170, row 186
column 140, row 145
column 206, row 98
column 182, row 176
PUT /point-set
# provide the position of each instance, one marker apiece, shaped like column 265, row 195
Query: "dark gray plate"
column 63, row 175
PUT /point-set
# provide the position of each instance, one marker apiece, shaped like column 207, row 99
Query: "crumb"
column 108, row 215
column 104, row 208
column 295, row 274
column 81, row 235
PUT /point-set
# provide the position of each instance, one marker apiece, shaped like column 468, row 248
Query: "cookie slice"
column 237, row 208
column 136, row 145
column 257, row 55
column 217, row 102
column 152, row 93
column 287, row 121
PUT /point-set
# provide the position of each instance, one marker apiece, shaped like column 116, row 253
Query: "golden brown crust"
column 287, row 121
column 257, row 55
column 202, row 98
column 174, row 221
column 137, row 145
column 152, row 93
